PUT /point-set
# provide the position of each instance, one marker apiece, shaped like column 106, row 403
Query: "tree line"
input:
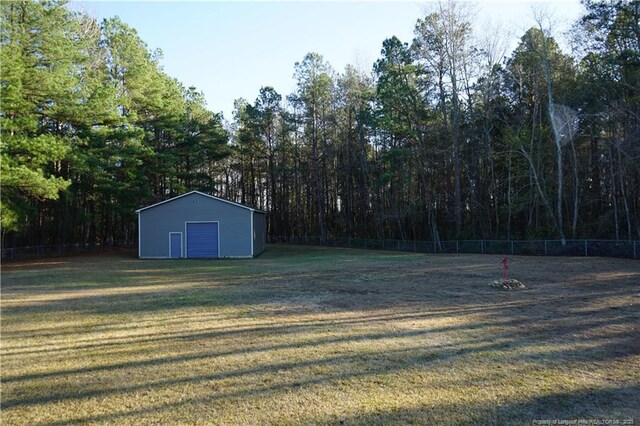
column 446, row 136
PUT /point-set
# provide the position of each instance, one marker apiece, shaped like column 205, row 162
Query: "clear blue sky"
column 231, row 49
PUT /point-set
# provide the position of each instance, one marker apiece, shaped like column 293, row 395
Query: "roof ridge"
column 224, row 200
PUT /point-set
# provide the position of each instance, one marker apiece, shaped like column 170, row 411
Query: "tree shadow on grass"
column 343, row 367
column 600, row 403
column 516, row 319
column 512, row 349
column 349, row 289
column 548, row 325
column 591, row 405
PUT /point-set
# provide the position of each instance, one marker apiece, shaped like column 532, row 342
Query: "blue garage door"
column 202, row 239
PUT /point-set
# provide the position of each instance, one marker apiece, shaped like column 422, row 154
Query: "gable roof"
column 204, row 195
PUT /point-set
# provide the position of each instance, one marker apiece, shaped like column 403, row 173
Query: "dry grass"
column 313, row 335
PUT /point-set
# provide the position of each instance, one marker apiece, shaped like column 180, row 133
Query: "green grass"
column 318, row 335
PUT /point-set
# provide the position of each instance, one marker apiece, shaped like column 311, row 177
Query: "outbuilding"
column 199, row 225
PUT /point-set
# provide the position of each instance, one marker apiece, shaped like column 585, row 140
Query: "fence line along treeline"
column 586, row 248
column 447, row 137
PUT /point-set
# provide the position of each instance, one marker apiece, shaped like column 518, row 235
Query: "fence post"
column 481, row 246
column 511, row 247
column 414, row 246
column 434, row 245
column 634, row 250
column 457, row 249
column 545, row 247
column 586, row 251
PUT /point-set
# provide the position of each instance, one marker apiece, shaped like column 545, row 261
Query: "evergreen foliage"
column 442, row 139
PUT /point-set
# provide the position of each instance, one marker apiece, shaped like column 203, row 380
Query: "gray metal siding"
column 157, row 222
column 259, row 232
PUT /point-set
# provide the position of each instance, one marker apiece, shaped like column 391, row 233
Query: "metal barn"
column 198, row 225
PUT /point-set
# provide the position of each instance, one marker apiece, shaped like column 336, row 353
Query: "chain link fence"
column 32, row 252
column 604, row 248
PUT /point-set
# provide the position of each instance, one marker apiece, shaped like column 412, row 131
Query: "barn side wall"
column 156, row 223
column 259, row 232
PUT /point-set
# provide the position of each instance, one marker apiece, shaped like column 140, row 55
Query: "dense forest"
column 446, row 136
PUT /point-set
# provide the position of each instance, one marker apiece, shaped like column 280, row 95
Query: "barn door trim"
column 181, row 245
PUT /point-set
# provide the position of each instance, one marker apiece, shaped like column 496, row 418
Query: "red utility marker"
column 505, row 264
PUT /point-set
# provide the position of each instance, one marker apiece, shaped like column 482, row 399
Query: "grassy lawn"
column 319, row 335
